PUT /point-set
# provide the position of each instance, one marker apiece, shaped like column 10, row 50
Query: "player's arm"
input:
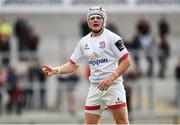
column 122, row 67
column 124, row 62
column 68, row 67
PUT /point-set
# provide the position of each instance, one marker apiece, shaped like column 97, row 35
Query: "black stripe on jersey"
column 120, row 45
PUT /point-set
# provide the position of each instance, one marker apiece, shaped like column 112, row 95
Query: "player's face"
column 96, row 23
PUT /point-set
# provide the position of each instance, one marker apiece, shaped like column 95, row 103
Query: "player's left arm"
column 124, row 62
column 119, row 50
column 122, row 67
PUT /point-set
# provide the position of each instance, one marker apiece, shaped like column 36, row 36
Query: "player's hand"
column 105, row 84
column 48, row 71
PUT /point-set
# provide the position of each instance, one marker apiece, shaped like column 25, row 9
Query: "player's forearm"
column 123, row 66
column 65, row 68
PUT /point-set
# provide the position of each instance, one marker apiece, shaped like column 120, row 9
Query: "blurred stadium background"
column 56, row 27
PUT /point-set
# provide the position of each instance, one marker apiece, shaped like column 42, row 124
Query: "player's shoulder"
column 112, row 35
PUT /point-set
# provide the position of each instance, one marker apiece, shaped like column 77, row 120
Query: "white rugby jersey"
column 102, row 54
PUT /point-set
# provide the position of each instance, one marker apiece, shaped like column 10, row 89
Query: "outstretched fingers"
column 47, row 70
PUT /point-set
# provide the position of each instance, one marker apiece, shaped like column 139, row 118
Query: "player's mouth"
column 95, row 25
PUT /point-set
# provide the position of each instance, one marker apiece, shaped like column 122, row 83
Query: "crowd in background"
column 21, row 97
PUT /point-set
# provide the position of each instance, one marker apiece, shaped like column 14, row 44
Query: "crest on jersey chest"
column 102, row 44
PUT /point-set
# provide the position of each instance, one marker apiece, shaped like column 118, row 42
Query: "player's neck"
column 95, row 34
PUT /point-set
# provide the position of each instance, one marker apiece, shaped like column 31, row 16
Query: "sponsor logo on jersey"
column 97, row 62
column 94, row 59
column 102, row 44
column 93, row 56
column 120, row 45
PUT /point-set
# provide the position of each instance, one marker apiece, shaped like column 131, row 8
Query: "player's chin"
column 96, row 30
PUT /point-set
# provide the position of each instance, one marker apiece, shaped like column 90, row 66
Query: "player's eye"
column 92, row 18
column 98, row 18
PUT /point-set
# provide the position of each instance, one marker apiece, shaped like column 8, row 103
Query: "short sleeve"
column 119, row 48
column 77, row 55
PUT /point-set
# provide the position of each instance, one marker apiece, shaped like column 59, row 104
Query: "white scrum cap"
column 97, row 11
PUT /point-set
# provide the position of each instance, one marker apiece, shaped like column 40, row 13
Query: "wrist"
column 114, row 76
column 112, row 79
column 117, row 75
column 57, row 70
